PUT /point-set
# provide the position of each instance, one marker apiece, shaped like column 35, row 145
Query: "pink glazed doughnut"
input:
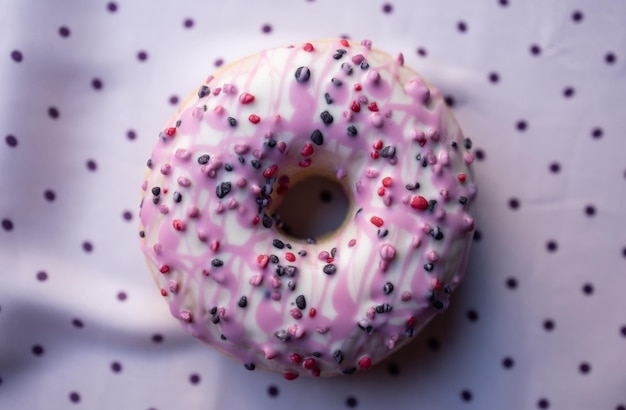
column 239, row 279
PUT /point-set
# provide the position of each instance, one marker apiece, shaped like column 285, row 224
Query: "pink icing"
column 340, row 304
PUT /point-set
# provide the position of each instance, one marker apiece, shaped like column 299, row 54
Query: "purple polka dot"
column 387, row 8
column 494, row 77
column 53, row 112
column 511, row 283
column 508, row 363
column 351, row 402
column 188, row 23
column 461, row 26
column 597, row 133
column 7, row 225
column 266, row 28
column 194, row 378
column 514, row 203
column 555, row 167
column 588, row 289
column 422, row 52
column 552, row 246
column 543, row 403
column 74, row 397
column 77, row 323
column 37, row 350
column 17, row 56
column 127, row 215
column 64, row 31
column 112, row 7
column 42, row 276
column 122, row 296
column 173, row 100
column 96, row 83
column 610, row 58
column 272, row 391
column 590, row 210
column 521, row 125
column 11, row 141
column 49, row 195
column 472, row 315
column 577, row 16
column 479, row 154
column 504, row 3
column 157, row 338
column 116, row 367
column 568, row 92
column 219, row 62
column 466, row 395
column 535, row 50
column 91, row 165
column 131, row 135
column 87, row 246
column 393, row 369
column 548, row 325
column 142, row 55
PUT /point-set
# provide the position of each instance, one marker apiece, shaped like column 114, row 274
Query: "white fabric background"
column 91, row 324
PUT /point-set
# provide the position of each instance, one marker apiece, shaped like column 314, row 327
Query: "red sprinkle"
column 365, row 363
column 377, row 221
column 419, row 202
column 381, row 191
column 308, row 363
column 374, row 155
column 163, row 292
column 305, row 163
column 253, row 118
column 290, row 375
column 462, row 177
column 437, row 285
column 290, row 257
column 355, row 106
column 255, row 221
column 387, row 182
column 179, row 225
column 170, row 132
column 330, row 260
column 307, row 150
column 411, row 321
column 312, row 312
column 164, row 269
column 295, row 358
column 357, row 87
column 315, row 372
column 246, row 98
column 165, row 191
column 373, row 107
column 377, row 145
column 308, row 47
column 262, row 260
column 270, row 171
column 344, row 42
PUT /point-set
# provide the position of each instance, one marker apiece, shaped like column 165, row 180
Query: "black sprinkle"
column 337, row 56
column 448, row 289
column 342, row 51
column 316, row 354
column 280, row 270
column 203, row 91
column 242, row 160
column 142, row 234
column 438, row 304
column 336, row 82
column 410, row 332
column 156, row 199
column 203, row 159
column 338, row 355
column 149, row 163
column 243, row 302
column 223, row 189
column 291, row 270
column 428, row 267
column 156, row 191
column 249, row 366
column 333, row 252
column 204, row 107
column 431, row 204
column 267, row 221
column 291, row 285
column 232, row 121
column 468, row 143
column 347, row 68
column 311, row 241
column 278, row 244
column 454, row 144
column 437, row 233
column 228, row 167
column 358, row 211
column 349, row 371
column 215, row 319
column 364, row 65
column 303, row 74
column 412, row 186
column 282, row 335
column 302, row 253
column 317, row 137
column 326, row 117
column 271, row 143
column 177, row 197
column 178, row 123
column 382, row 233
column 287, row 245
column 384, row 308
column 328, row 98
column 213, row 310
column 351, row 131
column 424, row 163
column 256, row 164
column 301, row 302
column 223, row 337
column 388, row 288
column 463, row 200
column 329, row 269
column 216, row 263
column 274, row 259
column 388, row 152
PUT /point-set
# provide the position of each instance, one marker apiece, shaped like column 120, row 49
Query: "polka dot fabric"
column 540, row 322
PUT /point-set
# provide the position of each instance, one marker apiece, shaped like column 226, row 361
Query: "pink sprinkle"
column 164, row 209
column 351, row 243
column 232, row 203
column 215, row 245
column 390, row 343
column 262, row 260
column 282, row 147
column 433, row 134
column 367, row 44
column 387, row 199
column 383, row 266
column 432, row 256
column 246, row 98
column 322, row 329
column 217, row 90
column 363, row 99
column 444, row 158
column 444, row 194
column 400, row 58
column 270, row 171
column 426, row 228
column 157, row 247
column 305, row 163
column 358, row 59
column 373, row 77
column 275, row 282
column 193, row 211
column 170, row 132
column 323, row 256
column 241, row 182
column 296, row 313
column 253, row 118
column 340, row 173
column 406, row 199
column 406, row 296
column 468, row 157
column 307, row 150
column 144, row 185
column 164, row 269
column 371, row 312
column 255, row 189
column 295, row 358
column 221, row 312
column 275, row 295
column 417, row 90
column 440, row 213
column 468, row 223
column 218, row 109
column 183, row 154
column 269, row 353
column 182, row 181
column 358, row 186
column 202, row 236
column 376, row 119
column 419, row 202
column 179, row 225
column 242, row 149
column 256, row 280
column 344, row 42
column 295, row 331
column 229, row 89
column 348, row 115
column 431, row 158
column 165, row 169
column 387, row 251
column 416, row 242
column 371, row 173
column 172, row 286
column 197, row 113
column 220, row 208
column 308, row 47
column 209, row 79
column 185, row 316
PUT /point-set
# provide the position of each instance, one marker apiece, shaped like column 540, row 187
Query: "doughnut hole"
column 314, row 206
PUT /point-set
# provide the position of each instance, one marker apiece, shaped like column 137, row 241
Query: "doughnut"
column 287, row 283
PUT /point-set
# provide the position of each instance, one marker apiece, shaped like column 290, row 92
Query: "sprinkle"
column 185, row 316
column 364, row 65
column 312, row 313
column 344, row 42
column 347, row 68
column 223, row 189
column 302, row 74
column 308, row 47
column 291, row 270
column 253, row 118
column 296, row 313
column 419, row 202
column 164, row 269
column 428, row 267
column 156, row 191
column 307, row 150
column 406, row 296
column 290, row 375
column 388, row 288
column 156, row 199
column 246, row 98
column 308, row 363
column 336, row 82
column 327, row 118
column 377, row 221
column 165, row 169
column 170, row 132
column 373, row 107
column 267, row 221
column 256, row 280
column 329, row 269
column 217, row 263
column 438, row 304
column 301, row 302
column 468, row 143
column 282, row 335
column 243, row 302
column 387, row 252
column 290, row 257
column 384, row 308
column 462, row 177
column 232, row 121
column 179, row 225
column 291, row 285
column 317, row 137
column 249, row 366
column 328, row 98
column 338, row 355
column 437, row 233
column 463, row 200
column 262, row 260
column 365, row 363
column 270, row 171
column 203, row 91
column 177, row 197
column 305, row 163
column 388, row 152
column 278, row 244
column 412, row 186
column 255, row 164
